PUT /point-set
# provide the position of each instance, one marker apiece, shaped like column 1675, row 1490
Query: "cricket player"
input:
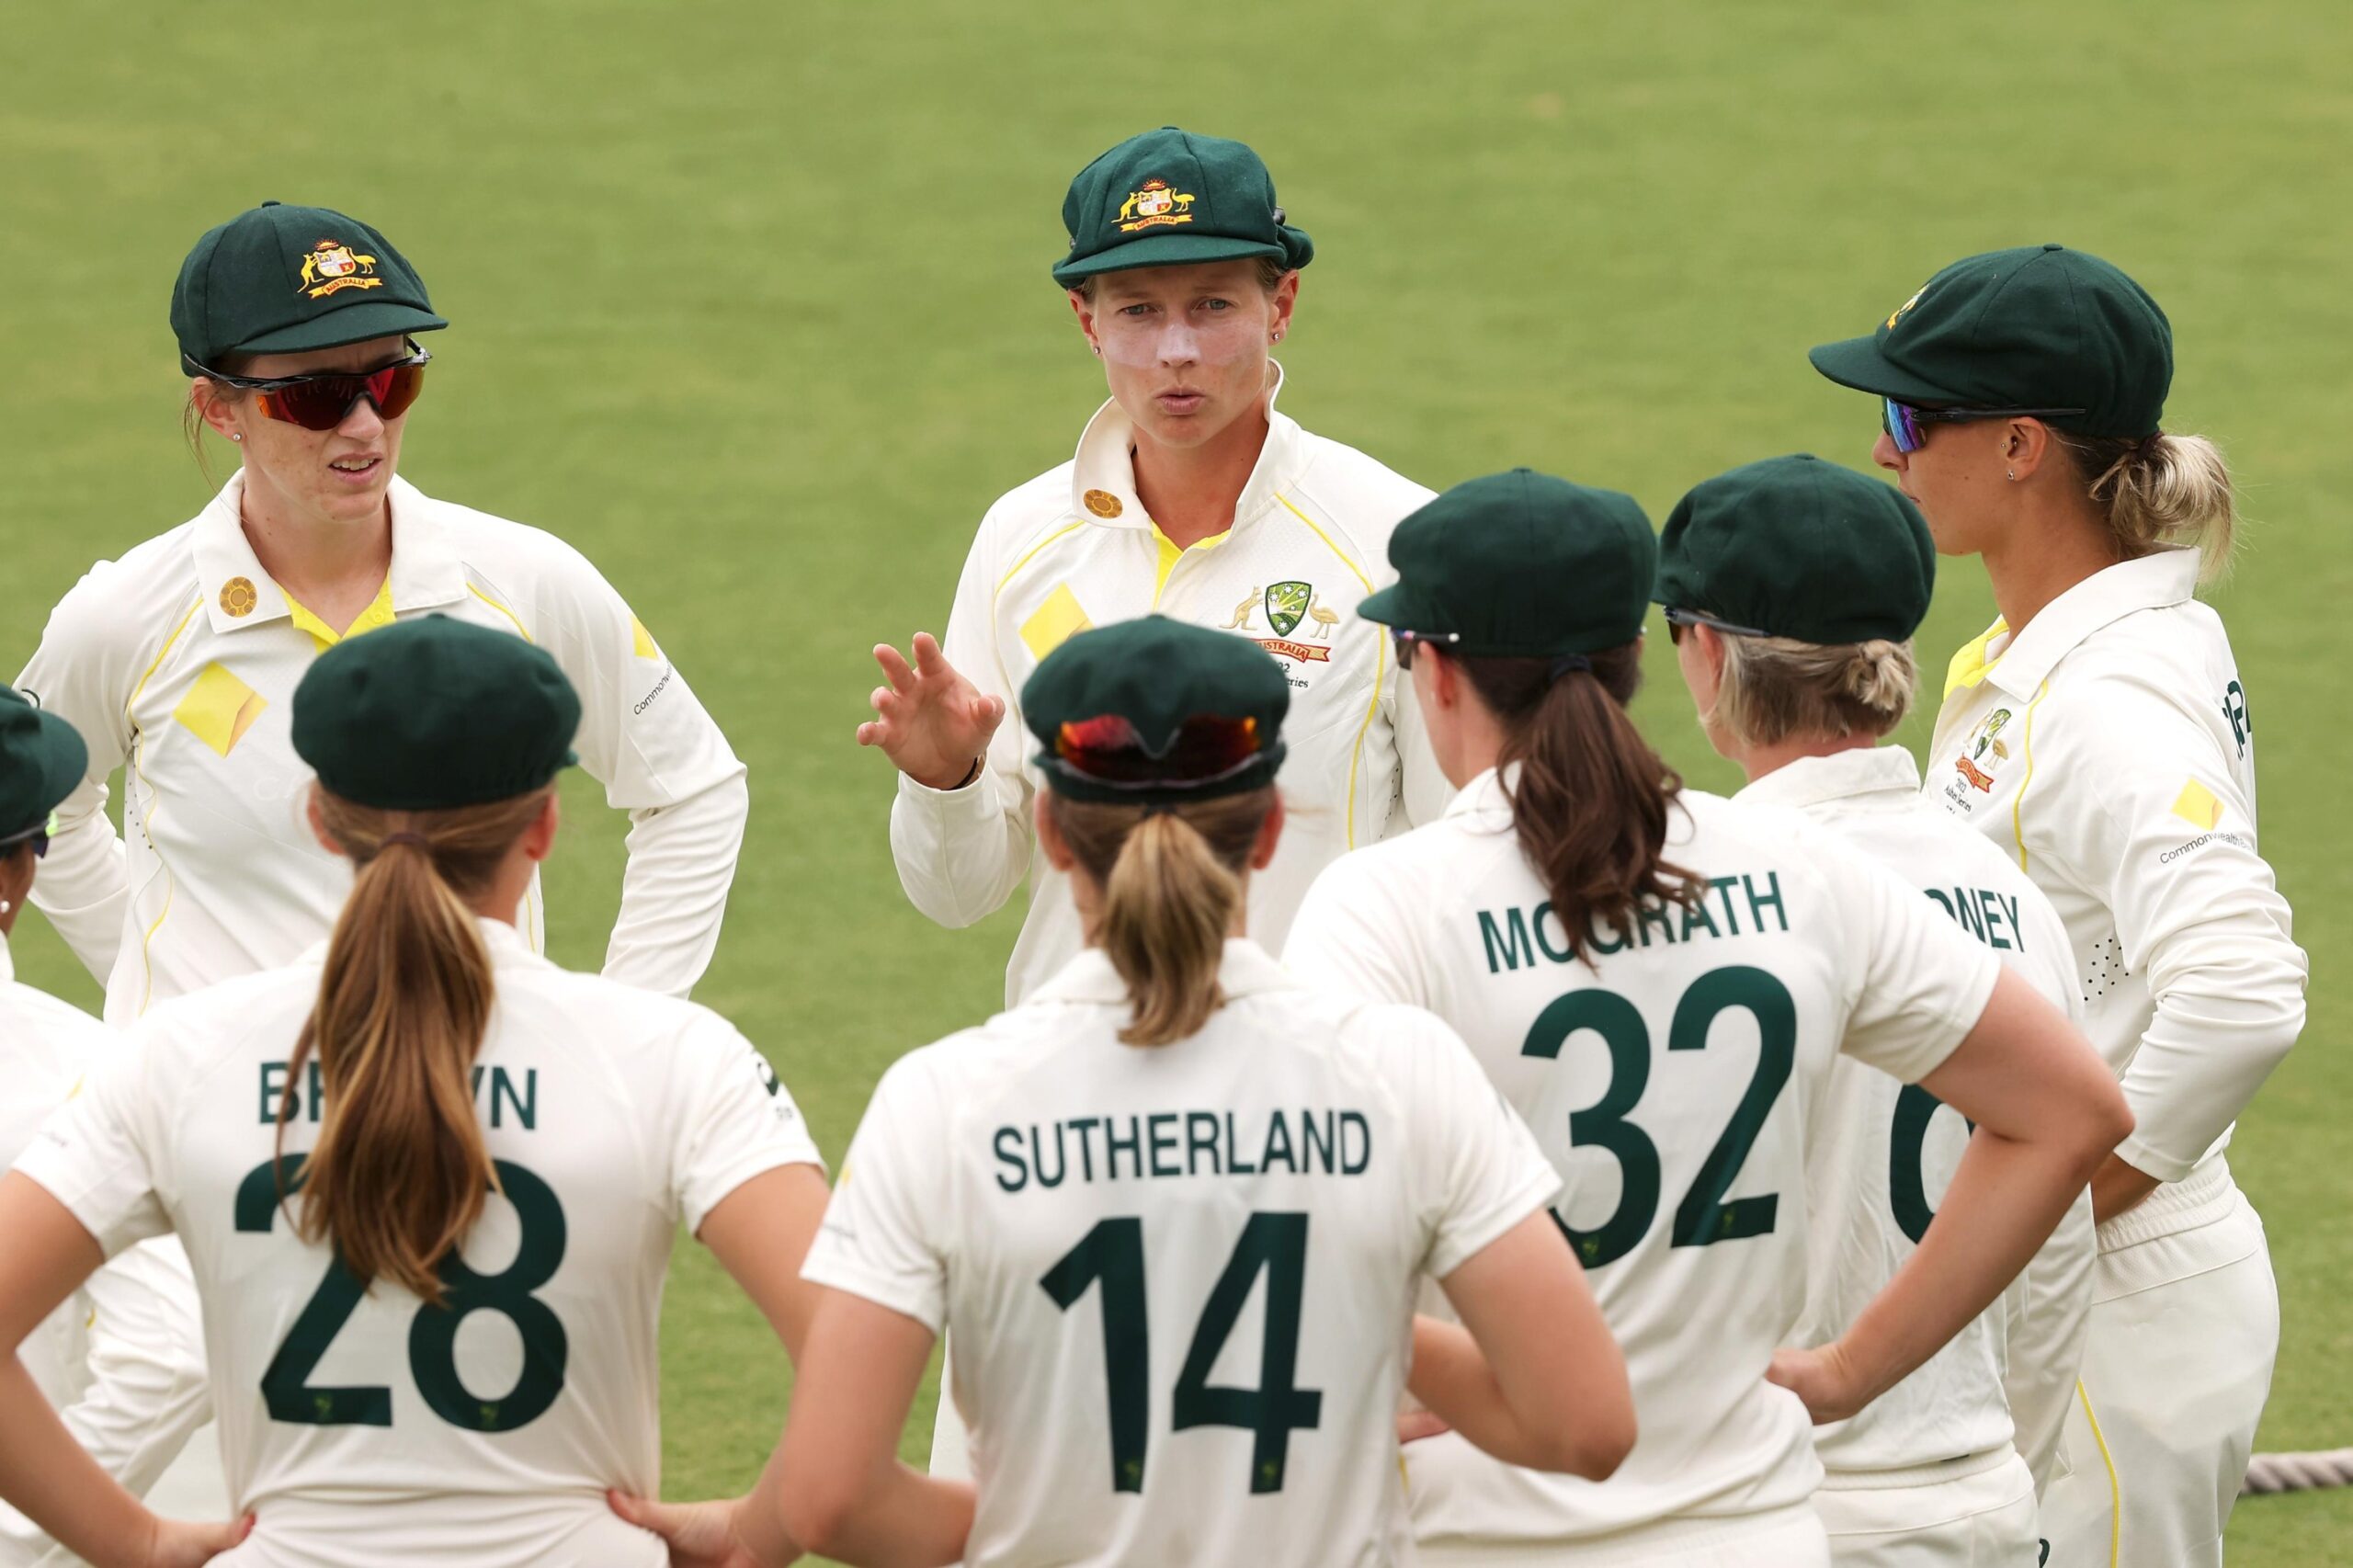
column 1092, row 1188
column 1190, row 497
column 179, row 663
column 429, row 1182
column 123, row 1357
column 2098, row 733
column 1661, row 981
column 1793, row 588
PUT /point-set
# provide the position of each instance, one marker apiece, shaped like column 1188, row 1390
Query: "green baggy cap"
column 1799, row 548
column 283, row 280
column 1522, row 565
column 1170, row 197
column 2041, row 326
column 43, row 760
column 1155, row 711
column 429, row 714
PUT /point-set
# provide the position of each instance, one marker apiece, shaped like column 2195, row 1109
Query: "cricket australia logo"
column 331, row 266
column 1287, row 607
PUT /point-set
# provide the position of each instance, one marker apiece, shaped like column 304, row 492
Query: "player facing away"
column 429, row 1181
column 1793, row 588
column 1661, row 981
column 105, row 1357
column 1173, row 1207
column 179, row 663
column 1190, row 497
column 2098, row 734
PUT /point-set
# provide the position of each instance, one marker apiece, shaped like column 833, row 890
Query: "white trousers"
column 1973, row 1513
column 1787, row 1538
column 2185, row 1328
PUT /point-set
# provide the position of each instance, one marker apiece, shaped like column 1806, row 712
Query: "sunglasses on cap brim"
column 1108, row 751
column 38, row 837
column 1405, row 641
column 1907, row 423
column 1679, row 618
column 323, row 401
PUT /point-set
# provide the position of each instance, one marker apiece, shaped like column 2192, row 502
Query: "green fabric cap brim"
column 353, row 323
column 1387, row 606
column 64, row 762
column 1165, row 250
column 1858, row 362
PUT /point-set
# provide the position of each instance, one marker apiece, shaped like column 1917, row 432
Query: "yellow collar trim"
column 1171, row 553
column 379, row 613
column 1970, row 666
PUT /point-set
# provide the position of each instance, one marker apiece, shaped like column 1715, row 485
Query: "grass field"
column 751, row 303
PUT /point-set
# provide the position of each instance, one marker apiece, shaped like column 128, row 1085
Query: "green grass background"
column 750, row 302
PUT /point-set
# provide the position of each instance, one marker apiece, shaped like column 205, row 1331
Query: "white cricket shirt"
column 1881, row 1154
column 179, row 663
column 1675, row 1091
column 1135, row 1246
column 370, row 1429
column 1074, row 548
column 2107, row 749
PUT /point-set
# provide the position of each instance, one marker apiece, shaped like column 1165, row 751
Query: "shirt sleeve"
column 1354, row 936
column 81, row 672
column 881, row 1238
column 1476, row 1167
column 738, row 1121
column 1916, row 985
column 661, row 758
column 961, row 853
column 2158, row 828
column 96, row 1153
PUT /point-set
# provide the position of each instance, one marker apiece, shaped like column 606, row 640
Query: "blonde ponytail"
column 1172, row 888
column 1773, row 687
column 400, row 1169
column 2162, row 491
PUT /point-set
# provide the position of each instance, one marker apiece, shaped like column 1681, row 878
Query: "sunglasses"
column 1403, row 640
column 1677, row 619
column 1206, row 749
column 322, row 403
column 38, row 837
column 1906, row 424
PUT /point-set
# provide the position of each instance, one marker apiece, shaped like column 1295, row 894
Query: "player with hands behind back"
column 1661, row 981
column 428, row 1181
column 1094, row 1187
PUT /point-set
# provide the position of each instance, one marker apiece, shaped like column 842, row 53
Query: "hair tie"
column 1159, row 809
column 1568, row 663
column 404, row 836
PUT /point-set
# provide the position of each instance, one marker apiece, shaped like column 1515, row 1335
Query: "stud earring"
column 6, row 906
column 2012, row 473
column 238, row 437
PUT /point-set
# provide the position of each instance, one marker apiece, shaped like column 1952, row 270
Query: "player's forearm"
column 1451, row 1375
column 48, row 1477
column 674, row 891
column 901, row 1519
column 2004, row 1202
column 2216, row 1037
column 961, row 853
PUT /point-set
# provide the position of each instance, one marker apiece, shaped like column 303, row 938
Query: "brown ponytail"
column 1172, row 886
column 400, row 1169
column 1591, row 799
column 2160, row 492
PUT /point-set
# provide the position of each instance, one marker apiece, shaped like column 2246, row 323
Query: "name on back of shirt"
column 502, row 1098
column 1984, row 915
column 1513, row 938
column 1181, row 1144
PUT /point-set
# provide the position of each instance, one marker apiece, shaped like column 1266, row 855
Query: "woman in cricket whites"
column 432, row 1267
column 1090, row 1188
column 1793, row 588
column 1660, row 982
column 2098, row 733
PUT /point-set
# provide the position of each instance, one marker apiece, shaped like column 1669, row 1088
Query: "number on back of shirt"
column 1111, row 1255
column 286, row 1385
column 1703, row 1218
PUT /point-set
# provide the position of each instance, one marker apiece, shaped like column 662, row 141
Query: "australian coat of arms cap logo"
column 331, row 266
column 1157, row 204
column 1898, row 314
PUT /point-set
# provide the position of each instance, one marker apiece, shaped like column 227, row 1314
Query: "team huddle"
column 1420, row 1129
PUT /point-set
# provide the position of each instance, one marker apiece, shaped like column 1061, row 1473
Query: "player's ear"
column 539, row 839
column 1084, row 309
column 1271, row 833
column 2027, row 445
column 1050, row 835
column 311, row 814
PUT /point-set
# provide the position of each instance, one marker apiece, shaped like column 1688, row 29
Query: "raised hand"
column 700, row 1535
column 933, row 723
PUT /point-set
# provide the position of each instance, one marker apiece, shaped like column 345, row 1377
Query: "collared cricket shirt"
column 1246, row 1209
column 1674, row 1090
column 1883, row 1152
column 370, row 1428
column 1074, row 548
column 2109, row 751
column 179, row 663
